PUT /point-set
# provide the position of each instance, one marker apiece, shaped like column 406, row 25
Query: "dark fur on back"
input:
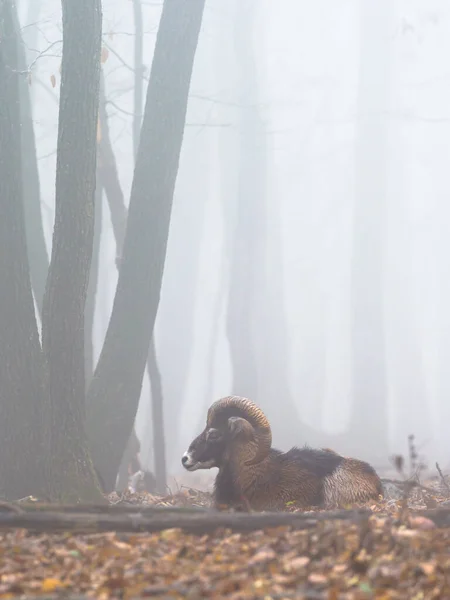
column 321, row 462
column 295, row 476
column 304, row 477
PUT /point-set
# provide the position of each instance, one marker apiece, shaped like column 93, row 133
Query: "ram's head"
column 230, row 420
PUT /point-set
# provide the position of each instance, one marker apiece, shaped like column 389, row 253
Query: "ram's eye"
column 213, row 434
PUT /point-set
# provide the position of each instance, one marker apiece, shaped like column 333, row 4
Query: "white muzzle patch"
column 191, row 465
column 188, row 463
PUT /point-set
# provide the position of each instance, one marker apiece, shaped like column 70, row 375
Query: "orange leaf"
column 50, row 584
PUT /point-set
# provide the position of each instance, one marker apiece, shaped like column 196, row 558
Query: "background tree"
column 369, row 412
column 259, row 352
column 23, row 423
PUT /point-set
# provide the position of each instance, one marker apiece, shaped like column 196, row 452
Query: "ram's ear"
column 237, row 426
column 213, row 434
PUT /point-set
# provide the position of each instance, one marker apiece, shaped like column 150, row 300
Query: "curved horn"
column 237, row 406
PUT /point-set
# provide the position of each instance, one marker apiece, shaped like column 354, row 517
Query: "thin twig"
column 444, row 481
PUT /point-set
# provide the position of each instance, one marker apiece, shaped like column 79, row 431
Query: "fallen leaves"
column 331, row 561
column 393, row 554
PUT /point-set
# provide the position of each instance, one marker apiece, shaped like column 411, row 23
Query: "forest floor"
column 392, row 552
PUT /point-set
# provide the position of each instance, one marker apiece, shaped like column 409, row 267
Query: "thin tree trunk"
column 248, row 230
column 116, row 386
column 109, row 177
column 369, row 415
column 131, row 451
column 24, row 452
column 89, row 313
column 138, row 75
column 158, row 426
column 154, row 373
column 37, row 249
column 66, row 289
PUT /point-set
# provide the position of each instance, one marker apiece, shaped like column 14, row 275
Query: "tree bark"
column 65, row 293
column 369, row 415
column 109, row 177
column 158, row 425
column 154, row 373
column 116, row 386
column 92, row 287
column 37, row 249
column 138, row 75
column 24, row 452
column 132, row 449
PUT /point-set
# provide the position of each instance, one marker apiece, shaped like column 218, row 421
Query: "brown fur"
column 302, row 476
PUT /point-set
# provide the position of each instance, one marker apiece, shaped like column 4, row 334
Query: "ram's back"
column 303, row 477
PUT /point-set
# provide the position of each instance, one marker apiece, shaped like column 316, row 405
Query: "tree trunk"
column 156, row 389
column 89, row 313
column 116, row 386
column 37, row 249
column 369, row 416
column 245, row 236
column 158, row 426
column 132, row 449
column 109, row 177
column 24, row 452
column 65, row 293
column 138, row 75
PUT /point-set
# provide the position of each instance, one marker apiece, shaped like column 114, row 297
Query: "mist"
column 307, row 264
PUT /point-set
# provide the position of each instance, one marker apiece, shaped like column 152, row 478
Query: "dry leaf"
column 51, row 584
column 403, row 559
column 53, row 80
column 104, row 54
column 264, row 555
column 428, row 568
column 318, row 579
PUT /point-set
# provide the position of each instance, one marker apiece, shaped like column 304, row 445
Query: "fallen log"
column 152, row 519
column 122, row 508
column 158, row 519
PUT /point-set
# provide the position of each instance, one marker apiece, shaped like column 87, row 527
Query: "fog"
column 311, row 201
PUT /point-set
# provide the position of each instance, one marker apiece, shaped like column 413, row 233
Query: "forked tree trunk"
column 24, row 452
column 116, row 386
column 65, row 294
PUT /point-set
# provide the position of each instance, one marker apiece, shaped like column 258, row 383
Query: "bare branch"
column 441, row 475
